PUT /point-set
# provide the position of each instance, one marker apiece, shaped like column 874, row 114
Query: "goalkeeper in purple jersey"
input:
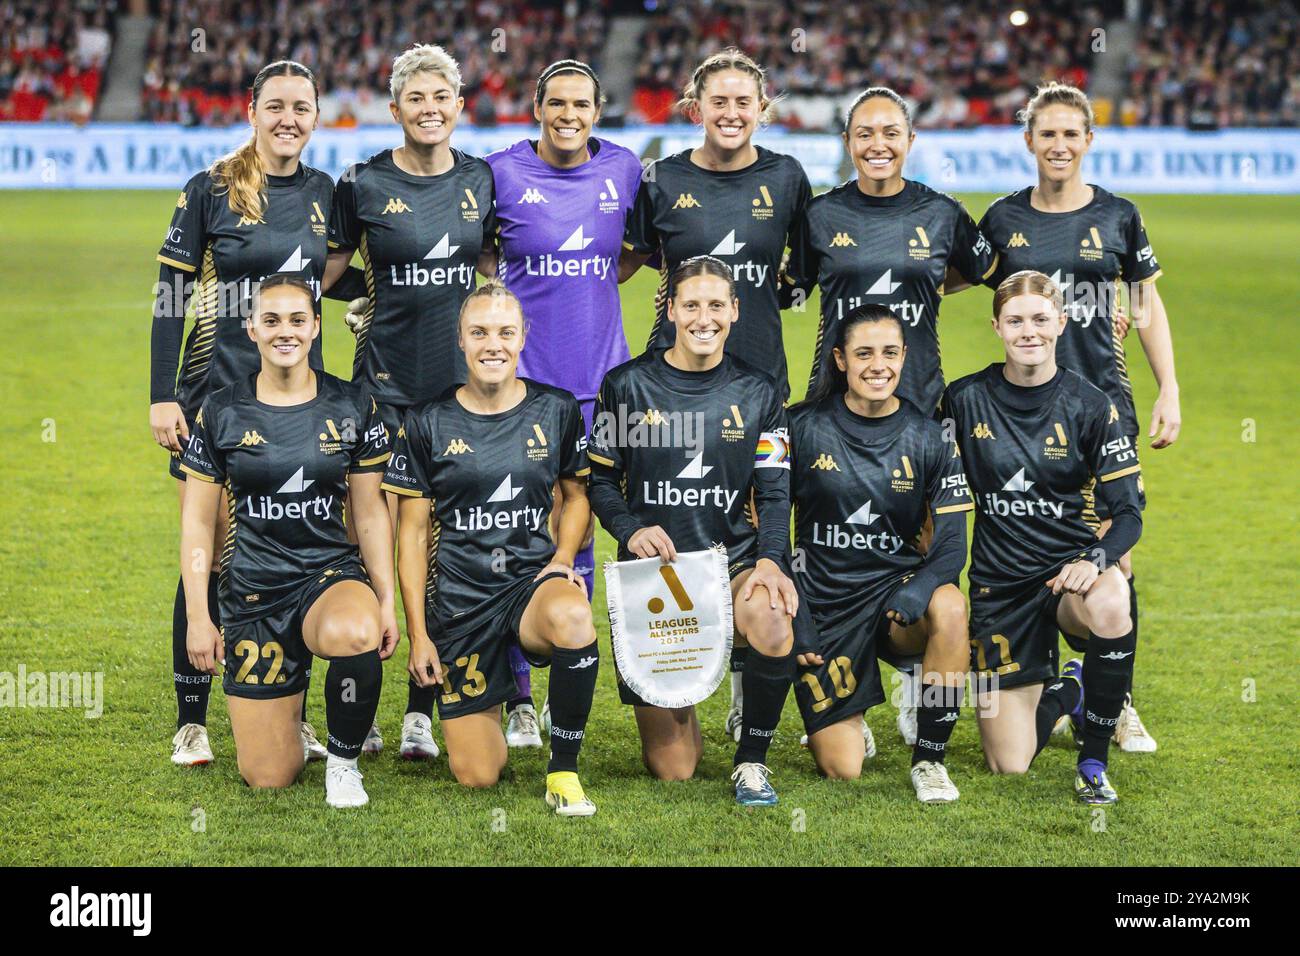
column 562, row 201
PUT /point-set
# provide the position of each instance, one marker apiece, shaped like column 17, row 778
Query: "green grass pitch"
column 88, row 570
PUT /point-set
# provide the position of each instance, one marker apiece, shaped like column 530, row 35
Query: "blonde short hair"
column 423, row 58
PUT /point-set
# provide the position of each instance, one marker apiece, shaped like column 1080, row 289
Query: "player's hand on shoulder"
column 780, row 589
column 1077, row 577
column 167, row 422
column 355, row 316
column 204, row 646
column 652, row 541
column 422, row 663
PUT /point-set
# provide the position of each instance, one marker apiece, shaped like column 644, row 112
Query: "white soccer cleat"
column 732, row 726
column 190, row 746
column 546, row 717
column 312, row 748
column 1130, row 733
column 931, row 783
column 374, row 742
column 1062, row 726
column 343, row 786
column 907, row 709
column 417, row 739
column 522, row 729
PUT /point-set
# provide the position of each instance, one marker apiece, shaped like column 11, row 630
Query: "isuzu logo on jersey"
column 483, row 519
column 267, row 508
column 667, row 493
column 752, row 272
column 555, row 266
column 414, row 274
column 834, row 535
column 1004, row 506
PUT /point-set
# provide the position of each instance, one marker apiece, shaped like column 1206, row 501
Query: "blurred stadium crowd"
column 1191, row 62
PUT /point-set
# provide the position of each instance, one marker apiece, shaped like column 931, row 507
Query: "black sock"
column 739, row 654
column 516, row 702
column 764, row 684
column 351, row 701
column 1107, row 675
column 936, row 716
column 1132, row 616
column 192, row 686
column 1060, row 697
column 573, row 684
column 419, row 700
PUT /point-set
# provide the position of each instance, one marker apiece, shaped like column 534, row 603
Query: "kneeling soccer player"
column 867, row 470
column 1033, row 437
column 288, row 445
column 489, row 455
column 673, row 494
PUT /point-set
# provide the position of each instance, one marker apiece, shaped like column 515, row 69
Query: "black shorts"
column 847, row 682
column 1013, row 635
column 630, row 697
column 475, row 651
column 174, row 457
column 267, row 657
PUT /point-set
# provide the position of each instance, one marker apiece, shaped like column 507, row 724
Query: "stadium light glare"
column 1019, row 18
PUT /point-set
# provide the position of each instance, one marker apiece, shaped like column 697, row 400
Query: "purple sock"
column 523, row 679
column 585, row 565
column 1091, row 768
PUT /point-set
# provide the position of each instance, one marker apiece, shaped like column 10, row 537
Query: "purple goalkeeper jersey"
column 560, row 233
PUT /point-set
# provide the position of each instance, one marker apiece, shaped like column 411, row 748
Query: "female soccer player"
column 255, row 212
column 732, row 200
column 490, row 455
column 868, row 469
column 562, row 204
column 1089, row 241
column 288, row 445
column 742, row 450
column 879, row 238
column 1034, row 437
column 421, row 215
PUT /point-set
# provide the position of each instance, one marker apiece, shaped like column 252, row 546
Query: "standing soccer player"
column 563, row 201
column 879, row 238
column 287, row 446
column 1035, row 438
column 742, row 451
column 1089, row 241
column 254, row 213
column 421, row 217
column 490, row 456
column 867, row 470
column 732, row 200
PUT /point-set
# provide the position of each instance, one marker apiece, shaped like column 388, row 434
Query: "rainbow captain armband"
column 773, row 450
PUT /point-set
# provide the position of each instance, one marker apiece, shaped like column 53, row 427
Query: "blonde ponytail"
column 240, row 177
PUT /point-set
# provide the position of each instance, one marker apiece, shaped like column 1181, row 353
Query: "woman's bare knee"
column 348, row 634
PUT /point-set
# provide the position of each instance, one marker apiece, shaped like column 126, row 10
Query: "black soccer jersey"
column 862, row 489
column 228, row 254
column 683, row 450
column 492, row 479
column 420, row 239
column 894, row 251
column 285, row 469
column 1087, row 252
column 744, row 217
column 1031, row 455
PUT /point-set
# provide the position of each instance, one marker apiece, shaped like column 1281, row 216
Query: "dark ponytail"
column 832, row 381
